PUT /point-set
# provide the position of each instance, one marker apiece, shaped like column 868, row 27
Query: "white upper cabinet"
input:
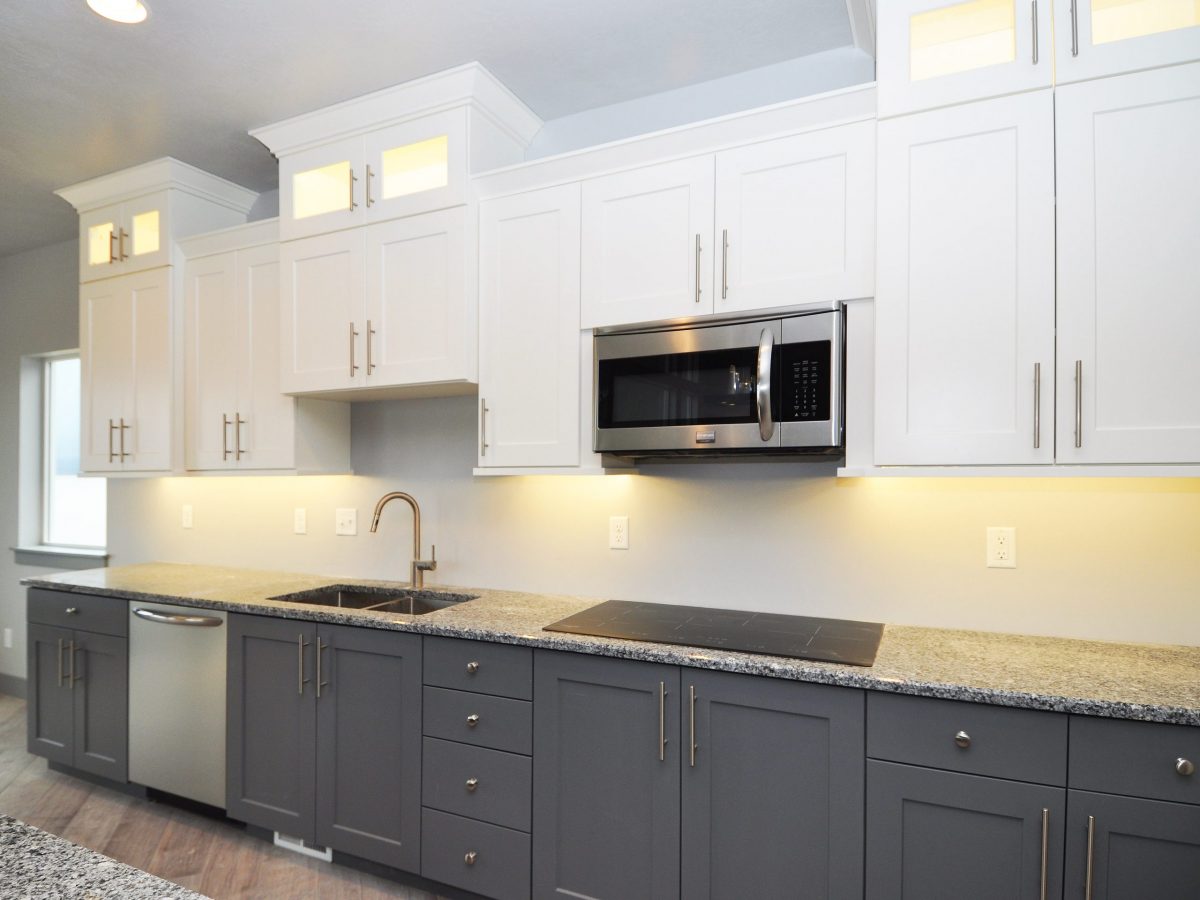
column 939, row 52
column 529, row 359
column 124, row 237
column 795, row 220
column 1107, row 37
column 964, row 310
column 647, row 244
column 1128, row 268
column 416, row 166
column 320, row 190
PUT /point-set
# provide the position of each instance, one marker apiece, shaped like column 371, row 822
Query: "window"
column 73, row 508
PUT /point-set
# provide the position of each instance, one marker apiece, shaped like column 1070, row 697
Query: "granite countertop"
column 35, row 863
column 1157, row 683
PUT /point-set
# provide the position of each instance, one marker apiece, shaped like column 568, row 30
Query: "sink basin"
column 392, row 600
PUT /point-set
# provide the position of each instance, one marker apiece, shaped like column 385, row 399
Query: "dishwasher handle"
column 151, row 615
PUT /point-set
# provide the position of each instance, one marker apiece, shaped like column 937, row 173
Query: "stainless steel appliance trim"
column 820, row 326
column 762, row 387
column 725, row 336
column 151, row 615
column 741, row 436
column 693, row 323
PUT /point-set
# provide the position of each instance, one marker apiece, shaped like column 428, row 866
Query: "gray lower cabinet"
column 324, row 735
column 78, row 684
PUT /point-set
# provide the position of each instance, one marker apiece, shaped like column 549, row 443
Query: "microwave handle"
column 766, row 425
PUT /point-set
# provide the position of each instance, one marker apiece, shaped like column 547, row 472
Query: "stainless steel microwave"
column 739, row 386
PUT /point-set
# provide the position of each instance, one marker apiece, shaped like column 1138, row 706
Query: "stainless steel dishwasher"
column 177, row 700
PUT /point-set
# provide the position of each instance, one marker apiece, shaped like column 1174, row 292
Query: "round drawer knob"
column 469, row 857
column 472, row 783
column 72, row 610
column 1185, row 766
column 472, row 720
column 472, row 667
column 962, row 739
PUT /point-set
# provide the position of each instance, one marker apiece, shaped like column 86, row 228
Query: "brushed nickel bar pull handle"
column 371, row 175
column 697, row 268
column 692, row 724
column 122, row 427
column 60, row 665
column 121, row 244
column 1037, row 406
column 238, row 422
column 353, row 178
column 353, row 335
column 724, row 263
column 1078, row 403
column 1074, row 28
column 662, row 721
column 71, row 679
column 1035, row 33
column 1091, row 856
column 1045, row 850
column 111, row 453
column 370, row 334
column 224, row 437
column 321, row 647
column 112, row 249
column 483, row 411
column 301, row 681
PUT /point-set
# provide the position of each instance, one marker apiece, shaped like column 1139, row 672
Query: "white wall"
column 39, row 312
column 1098, row 558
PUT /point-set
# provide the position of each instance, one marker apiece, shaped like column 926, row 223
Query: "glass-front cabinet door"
column 939, row 52
column 416, row 166
column 124, row 237
column 321, row 189
column 1105, row 37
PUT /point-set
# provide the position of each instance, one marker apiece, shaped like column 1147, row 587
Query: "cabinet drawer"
column 1141, row 759
column 85, row 612
column 478, row 719
column 500, row 669
column 489, row 785
column 486, row 859
column 1019, row 744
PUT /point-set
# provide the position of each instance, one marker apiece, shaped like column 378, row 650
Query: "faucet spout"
column 419, row 566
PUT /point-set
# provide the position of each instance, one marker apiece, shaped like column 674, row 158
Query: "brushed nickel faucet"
column 419, row 566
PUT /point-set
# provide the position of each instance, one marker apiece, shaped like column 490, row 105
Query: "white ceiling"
column 81, row 97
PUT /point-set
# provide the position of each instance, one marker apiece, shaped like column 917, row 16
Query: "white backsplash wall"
column 1097, row 558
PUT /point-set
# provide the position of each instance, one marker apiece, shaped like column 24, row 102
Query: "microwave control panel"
column 805, row 381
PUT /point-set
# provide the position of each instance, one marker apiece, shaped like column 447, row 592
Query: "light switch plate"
column 186, row 516
column 300, row 520
column 345, row 521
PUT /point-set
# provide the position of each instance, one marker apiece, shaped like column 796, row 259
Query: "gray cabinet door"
column 1140, row 848
column 101, row 686
column 50, row 709
column 369, row 745
column 271, row 733
column 605, row 778
column 773, row 792
column 934, row 835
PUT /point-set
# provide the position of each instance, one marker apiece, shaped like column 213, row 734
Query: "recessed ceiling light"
column 128, row 12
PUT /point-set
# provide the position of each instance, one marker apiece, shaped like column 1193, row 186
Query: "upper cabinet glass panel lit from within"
column 145, row 230
column 412, row 168
column 1094, row 38
column 962, row 37
column 100, row 244
column 322, row 190
column 1120, row 20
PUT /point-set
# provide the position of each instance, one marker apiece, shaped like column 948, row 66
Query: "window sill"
column 47, row 556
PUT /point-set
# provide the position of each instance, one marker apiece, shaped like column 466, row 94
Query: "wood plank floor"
column 213, row 857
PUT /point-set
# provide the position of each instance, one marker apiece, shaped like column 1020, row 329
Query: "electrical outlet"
column 345, row 521
column 300, row 520
column 1001, row 548
column 7, row 638
column 618, row 532
column 186, row 516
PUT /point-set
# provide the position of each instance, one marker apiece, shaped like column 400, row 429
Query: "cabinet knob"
column 472, row 720
column 1185, row 766
column 962, row 739
column 472, row 667
column 469, row 857
column 472, row 783
column 72, row 610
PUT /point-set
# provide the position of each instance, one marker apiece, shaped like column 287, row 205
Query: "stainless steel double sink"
column 377, row 599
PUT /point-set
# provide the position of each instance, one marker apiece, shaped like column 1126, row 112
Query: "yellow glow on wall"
column 1119, row 20
column 961, row 37
column 417, row 167
column 145, row 232
column 100, row 244
column 322, row 190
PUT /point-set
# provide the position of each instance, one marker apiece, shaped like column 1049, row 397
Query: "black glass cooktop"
column 803, row 637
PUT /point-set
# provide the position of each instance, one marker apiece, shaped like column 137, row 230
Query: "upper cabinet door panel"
column 1128, row 229
column 796, row 220
column 211, row 351
column 106, row 351
column 145, row 243
column 320, row 189
column 939, row 52
column 1107, row 37
column 964, row 311
column 416, row 166
column 148, row 441
column 264, row 439
column 417, row 328
column 647, row 244
column 99, row 233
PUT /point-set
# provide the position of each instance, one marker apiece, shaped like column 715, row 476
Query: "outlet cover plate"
column 618, row 532
column 1001, row 547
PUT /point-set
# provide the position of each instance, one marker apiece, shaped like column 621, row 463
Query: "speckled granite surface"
column 1151, row 682
column 36, row 864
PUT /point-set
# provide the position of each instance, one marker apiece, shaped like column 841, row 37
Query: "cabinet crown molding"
column 157, row 175
column 467, row 85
